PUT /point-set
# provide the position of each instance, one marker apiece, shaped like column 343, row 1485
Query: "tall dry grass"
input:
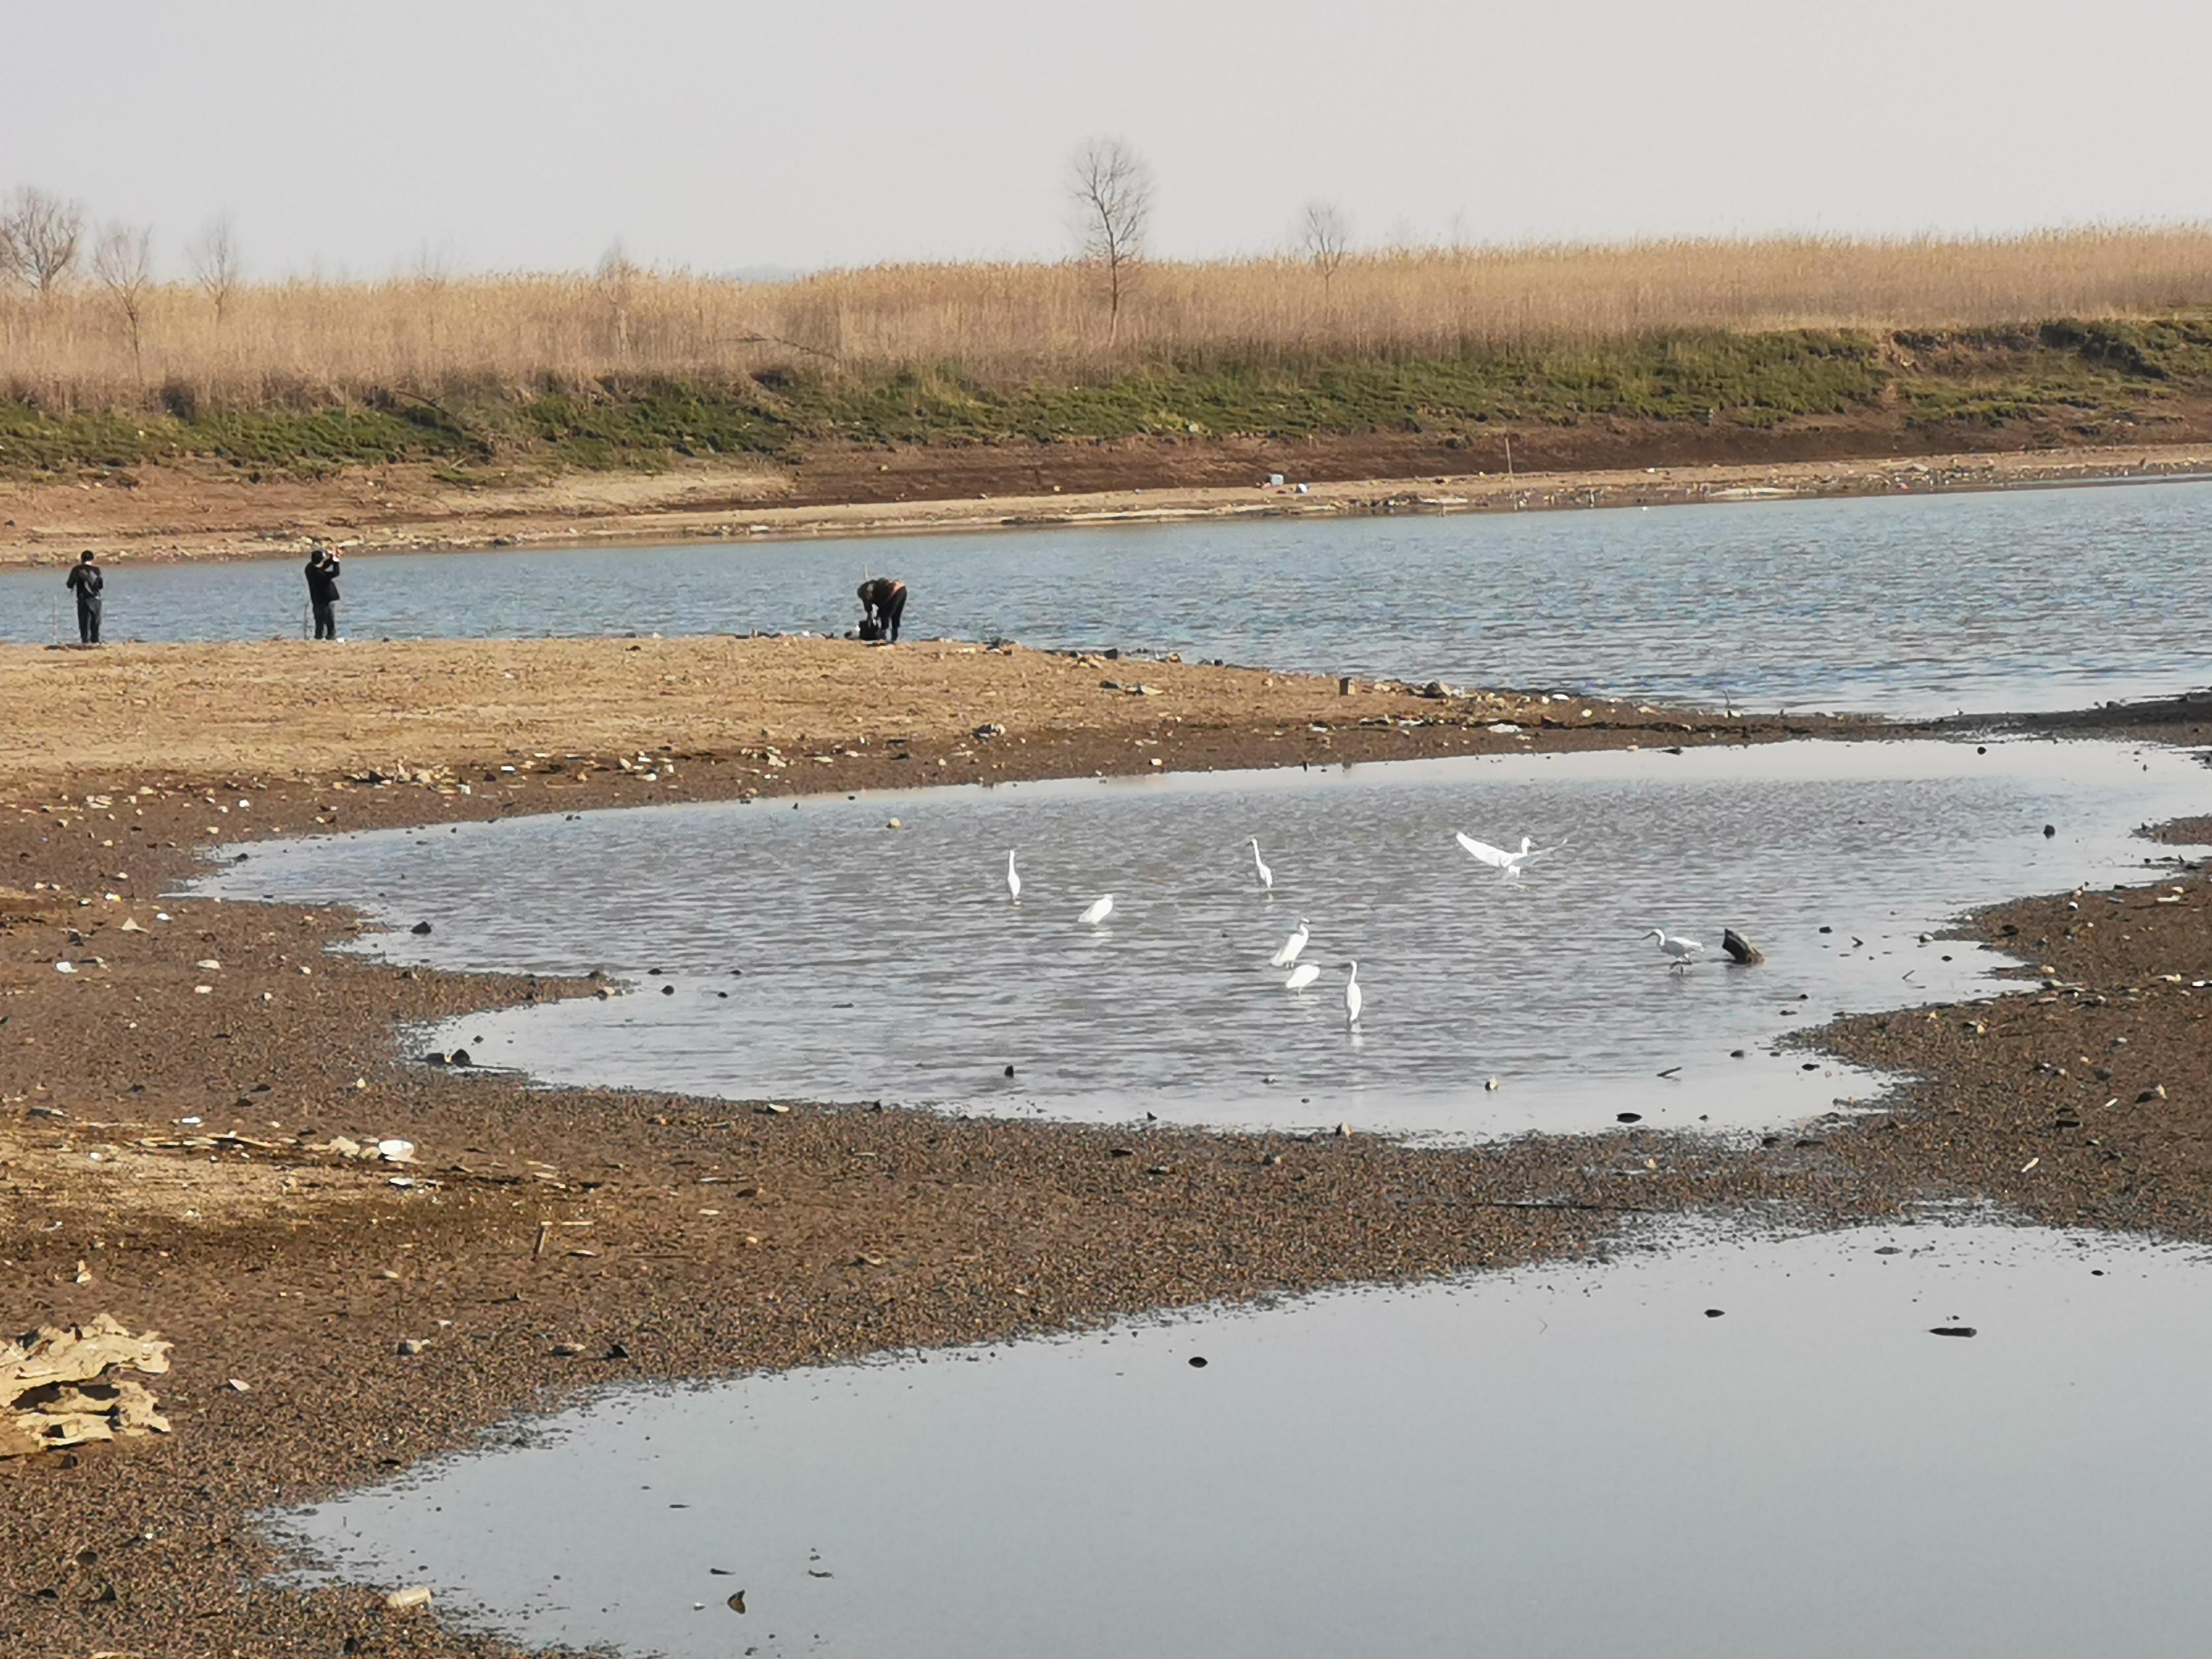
column 304, row 341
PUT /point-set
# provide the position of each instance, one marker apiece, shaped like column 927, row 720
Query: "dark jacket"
column 323, row 582
column 86, row 581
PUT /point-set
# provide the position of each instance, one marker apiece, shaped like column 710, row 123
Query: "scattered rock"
column 1714, row 1313
column 415, row 1595
column 418, row 929
column 1741, row 949
column 411, row 1345
column 1951, row 1330
column 2156, row 1092
column 59, row 1386
column 1198, row 1362
column 567, row 1350
column 1628, row 1117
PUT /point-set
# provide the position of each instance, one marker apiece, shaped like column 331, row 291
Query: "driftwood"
column 58, row 1387
column 1741, row 948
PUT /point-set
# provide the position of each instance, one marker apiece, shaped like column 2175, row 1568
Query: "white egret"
column 1681, row 951
column 1292, row 946
column 1353, row 1000
column 1099, row 912
column 1301, row 977
column 1267, row 876
column 1497, row 857
column 1013, row 881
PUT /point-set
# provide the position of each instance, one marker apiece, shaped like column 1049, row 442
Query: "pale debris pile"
column 59, row 1386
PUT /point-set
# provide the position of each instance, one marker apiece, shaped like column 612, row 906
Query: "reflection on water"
column 1922, row 605
column 1551, row 1464
column 817, row 953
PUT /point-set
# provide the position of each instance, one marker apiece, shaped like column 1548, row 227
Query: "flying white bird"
column 1498, row 858
column 1301, row 977
column 1292, row 946
column 1099, row 912
column 1267, row 876
column 1353, row 1000
column 1013, row 881
column 1683, row 951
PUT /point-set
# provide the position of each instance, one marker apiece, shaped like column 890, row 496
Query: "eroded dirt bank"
column 553, row 1239
column 188, row 512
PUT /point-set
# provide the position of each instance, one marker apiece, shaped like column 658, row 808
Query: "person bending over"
column 86, row 581
column 885, row 601
column 323, row 593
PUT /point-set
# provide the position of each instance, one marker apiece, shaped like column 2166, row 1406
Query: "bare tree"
column 1111, row 188
column 617, row 283
column 123, row 263
column 216, row 262
column 40, row 237
column 1325, row 235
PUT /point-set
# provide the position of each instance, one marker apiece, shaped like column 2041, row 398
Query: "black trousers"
column 892, row 613
column 326, row 621
column 88, row 621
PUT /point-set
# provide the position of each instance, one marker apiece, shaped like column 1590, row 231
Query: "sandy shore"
column 187, row 512
column 740, row 714
column 551, row 1240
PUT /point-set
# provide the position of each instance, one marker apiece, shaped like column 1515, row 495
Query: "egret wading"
column 1353, row 998
column 1267, row 876
column 1498, row 858
column 1301, row 977
column 1680, row 952
column 1013, row 881
column 1292, row 946
column 1099, row 912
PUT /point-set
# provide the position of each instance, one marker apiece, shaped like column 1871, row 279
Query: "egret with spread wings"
column 1498, row 858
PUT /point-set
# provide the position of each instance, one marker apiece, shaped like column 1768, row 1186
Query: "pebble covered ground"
column 179, row 1157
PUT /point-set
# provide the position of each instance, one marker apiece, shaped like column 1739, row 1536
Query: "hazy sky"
column 723, row 134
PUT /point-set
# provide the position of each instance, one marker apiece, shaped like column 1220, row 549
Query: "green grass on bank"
column 2085, row 376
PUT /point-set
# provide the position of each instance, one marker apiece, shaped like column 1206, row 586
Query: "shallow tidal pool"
column 811, row 952
column 1738, row 1445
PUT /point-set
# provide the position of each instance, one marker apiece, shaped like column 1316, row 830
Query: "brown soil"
column 553, row 1239
column 195, row 511
column 838, row 715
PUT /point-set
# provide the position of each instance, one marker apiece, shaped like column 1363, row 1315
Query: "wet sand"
column 185, row 512
column 554, row 1239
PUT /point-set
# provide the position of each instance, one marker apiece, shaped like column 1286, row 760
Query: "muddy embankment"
column 188, row 510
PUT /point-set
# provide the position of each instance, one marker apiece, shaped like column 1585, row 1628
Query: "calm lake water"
column 1551, row 1464
column 813, row 952
column 1910, row 605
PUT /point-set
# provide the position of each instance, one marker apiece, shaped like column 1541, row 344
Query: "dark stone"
column 1628, row 1117
column 1198, row 1362
column 419, row 928
column 1951, row 1330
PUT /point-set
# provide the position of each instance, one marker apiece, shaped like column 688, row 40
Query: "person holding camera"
column 322, row 592
column 85, row 582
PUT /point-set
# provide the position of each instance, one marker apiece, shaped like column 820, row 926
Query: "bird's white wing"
column 1541, row 851
column 1301, row 977
column 1496, row 857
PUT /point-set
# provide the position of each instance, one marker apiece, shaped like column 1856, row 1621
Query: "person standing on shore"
column 85, row 582
column 323, row 593
column 884, row 599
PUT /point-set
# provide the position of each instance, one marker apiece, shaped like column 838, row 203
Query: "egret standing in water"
column 1013, row 881
column 1497, row 857
column 1301, row 977
column 1099, row 912
column 1267, row 876
column 1680, row 952
column 1292, row 946
column 1353, row 1000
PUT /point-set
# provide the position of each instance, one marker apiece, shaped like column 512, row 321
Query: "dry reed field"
column 302, row 343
